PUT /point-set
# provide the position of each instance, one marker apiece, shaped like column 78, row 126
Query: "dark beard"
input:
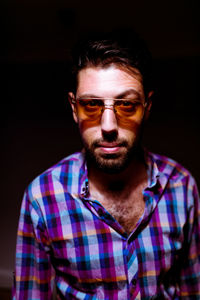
column 110, row 163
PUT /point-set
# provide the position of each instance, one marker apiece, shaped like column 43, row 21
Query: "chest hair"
column 126, row 209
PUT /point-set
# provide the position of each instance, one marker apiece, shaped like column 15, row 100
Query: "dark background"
column 37, row 127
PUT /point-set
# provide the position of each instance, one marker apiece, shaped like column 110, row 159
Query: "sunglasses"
column 94, row 107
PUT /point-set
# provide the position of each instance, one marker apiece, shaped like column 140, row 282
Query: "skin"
column 115, row 167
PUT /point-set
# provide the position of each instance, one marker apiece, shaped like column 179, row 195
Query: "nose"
column 108, row 121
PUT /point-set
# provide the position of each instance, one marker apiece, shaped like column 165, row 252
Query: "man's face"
column 110, row 140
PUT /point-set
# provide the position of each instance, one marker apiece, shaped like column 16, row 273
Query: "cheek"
column 87, row 124
column 131, row 125
column 89, row 133
column 131, row 131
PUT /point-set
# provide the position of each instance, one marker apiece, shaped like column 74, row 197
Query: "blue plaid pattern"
column 67, row 239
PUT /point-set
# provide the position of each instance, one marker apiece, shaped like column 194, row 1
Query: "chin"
column 109, row 163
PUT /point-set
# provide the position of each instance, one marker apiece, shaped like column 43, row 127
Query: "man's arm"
column 190, row 272
column 33, row 272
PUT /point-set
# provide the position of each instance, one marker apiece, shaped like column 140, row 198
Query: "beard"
column 111, row 163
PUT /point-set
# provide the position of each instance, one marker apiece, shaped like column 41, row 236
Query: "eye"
column 91, row 105
column 127, row 106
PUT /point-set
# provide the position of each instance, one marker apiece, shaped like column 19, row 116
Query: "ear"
column 71, row 98
column 149, row 104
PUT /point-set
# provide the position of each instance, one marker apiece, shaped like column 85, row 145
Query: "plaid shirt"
column 68, row 239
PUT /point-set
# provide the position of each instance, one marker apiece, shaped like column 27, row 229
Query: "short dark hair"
column 122, row 47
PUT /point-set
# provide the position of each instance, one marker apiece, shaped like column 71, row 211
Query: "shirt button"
column 100, row 212
column 72, row 279
column 134, row 282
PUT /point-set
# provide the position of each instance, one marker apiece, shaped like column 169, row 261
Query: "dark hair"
column 122, row 47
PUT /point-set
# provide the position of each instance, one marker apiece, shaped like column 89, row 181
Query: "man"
column 114, row 221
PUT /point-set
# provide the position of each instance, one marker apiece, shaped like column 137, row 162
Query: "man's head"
column 110, row 98
column 121, row 47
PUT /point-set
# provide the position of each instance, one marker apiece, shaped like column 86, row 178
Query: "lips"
column 109, row 147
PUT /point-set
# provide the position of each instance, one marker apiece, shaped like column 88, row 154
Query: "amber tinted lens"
column 128, row 108
column 89, row 108
column 93, row 108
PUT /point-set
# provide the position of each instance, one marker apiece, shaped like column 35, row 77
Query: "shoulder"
column 169, row 166
column 174, row 173
column 175, row 179
column 58, row 178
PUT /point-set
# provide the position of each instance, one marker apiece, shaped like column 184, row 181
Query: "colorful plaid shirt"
column 68, row 240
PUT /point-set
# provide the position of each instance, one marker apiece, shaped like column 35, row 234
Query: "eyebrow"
column 128, row 93
column 122, row 95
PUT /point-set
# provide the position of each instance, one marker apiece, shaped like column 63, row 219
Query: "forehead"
column 109, row 81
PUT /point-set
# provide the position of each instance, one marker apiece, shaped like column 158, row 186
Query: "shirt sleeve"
column 33, row 271
column 190, row 271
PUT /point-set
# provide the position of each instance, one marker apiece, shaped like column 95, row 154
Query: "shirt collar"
column 155, row 176
column 84, row 184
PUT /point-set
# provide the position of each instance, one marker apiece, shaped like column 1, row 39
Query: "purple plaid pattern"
column 66, row 238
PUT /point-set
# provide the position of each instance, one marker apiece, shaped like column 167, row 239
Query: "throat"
column 121, row 194
column 125, row 203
